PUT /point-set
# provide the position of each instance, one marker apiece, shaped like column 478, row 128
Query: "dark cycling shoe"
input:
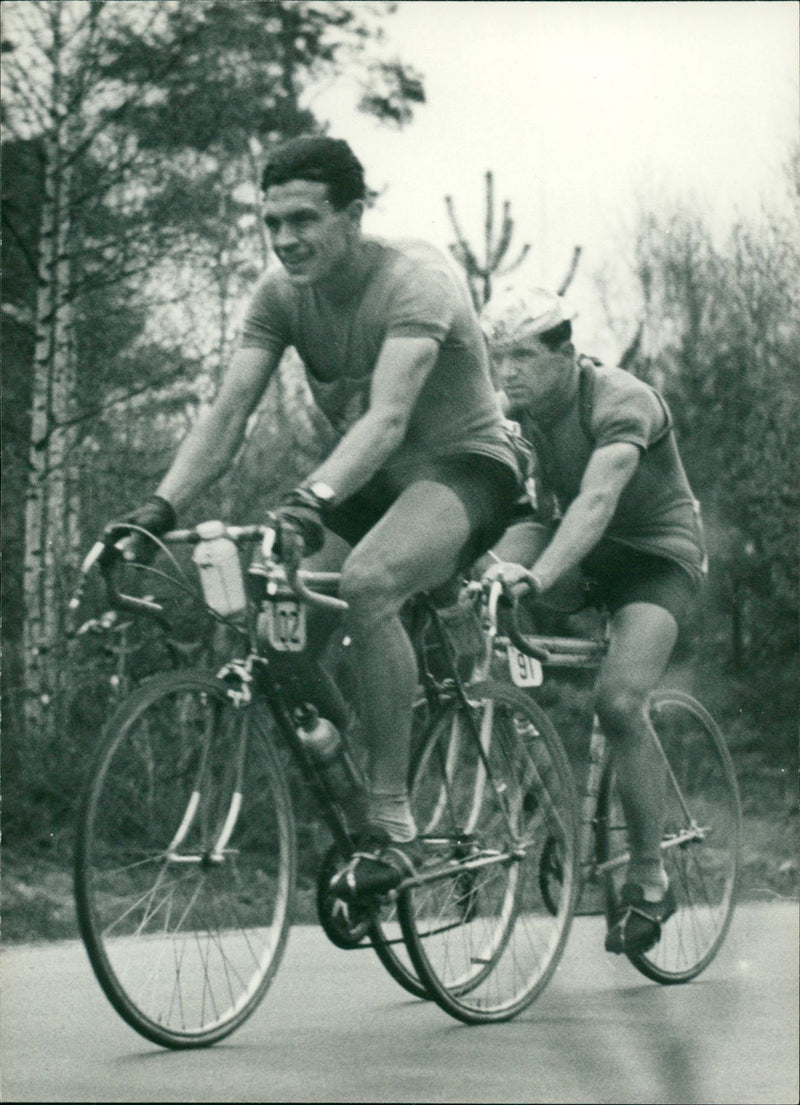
column 345, row 923
column 637, row 927
column 377, row 866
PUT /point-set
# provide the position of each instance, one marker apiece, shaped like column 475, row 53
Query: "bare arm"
column 403, row 367
column 211, row 444
column 590, row 512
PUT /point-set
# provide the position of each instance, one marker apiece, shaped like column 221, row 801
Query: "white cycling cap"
column 519, row 313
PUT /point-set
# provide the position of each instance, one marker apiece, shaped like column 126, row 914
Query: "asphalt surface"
column 335, row 1027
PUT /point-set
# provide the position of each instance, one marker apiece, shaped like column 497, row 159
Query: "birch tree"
column 144, row 119
column 59, row 101
column 57, row 37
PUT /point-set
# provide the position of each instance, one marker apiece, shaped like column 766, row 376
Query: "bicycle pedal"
column 345, row 923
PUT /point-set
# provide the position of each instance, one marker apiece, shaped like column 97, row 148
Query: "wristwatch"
column 322, row 492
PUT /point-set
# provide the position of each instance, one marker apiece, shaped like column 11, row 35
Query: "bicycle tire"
column 351, row 925
column 481, row 938
column 183, row 942
column 703, row 872
column 387, row 940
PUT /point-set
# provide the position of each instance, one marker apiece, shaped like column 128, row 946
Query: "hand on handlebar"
column 299, row 515
column 289, row 545
column 156, row 516
column 517, row 580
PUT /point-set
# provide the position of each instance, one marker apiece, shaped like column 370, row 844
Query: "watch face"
column 323, row 492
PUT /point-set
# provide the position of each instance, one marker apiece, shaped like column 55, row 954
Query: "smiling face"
column 536, row 379
column 311, row 239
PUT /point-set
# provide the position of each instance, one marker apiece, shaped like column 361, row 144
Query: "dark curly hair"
column 326, row 160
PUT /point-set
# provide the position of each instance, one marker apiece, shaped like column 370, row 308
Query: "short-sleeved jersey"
column 407, row 289
column 657, row 511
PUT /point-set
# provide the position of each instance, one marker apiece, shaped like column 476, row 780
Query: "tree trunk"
column 51, row 533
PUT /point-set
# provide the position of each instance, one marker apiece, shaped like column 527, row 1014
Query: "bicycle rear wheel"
column 386, row 934
column 386, row 937
column 493, row 785
column 185, row 861
column 701, row 839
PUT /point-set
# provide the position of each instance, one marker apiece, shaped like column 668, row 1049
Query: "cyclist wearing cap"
column 423, row 477
column 605, row 447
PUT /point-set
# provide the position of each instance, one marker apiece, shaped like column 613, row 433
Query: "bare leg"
column 414, row 547
column 642, row 639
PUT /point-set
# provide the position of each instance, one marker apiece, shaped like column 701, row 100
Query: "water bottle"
column 217, row 560
column 322, row 739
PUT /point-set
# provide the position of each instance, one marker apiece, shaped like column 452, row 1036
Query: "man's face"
column 309, row 237
column 535, row 379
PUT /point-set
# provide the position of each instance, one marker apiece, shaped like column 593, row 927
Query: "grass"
column 38, row 903
column 37, row 897
column 36, row 873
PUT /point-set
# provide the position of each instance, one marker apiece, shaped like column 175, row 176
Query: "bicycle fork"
column 239, row 693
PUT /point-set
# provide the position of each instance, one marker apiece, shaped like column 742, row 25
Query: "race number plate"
column 525, row 671
column 285, row 624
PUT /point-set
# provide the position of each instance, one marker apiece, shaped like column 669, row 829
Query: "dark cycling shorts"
column 619, row 575
column 487, row 488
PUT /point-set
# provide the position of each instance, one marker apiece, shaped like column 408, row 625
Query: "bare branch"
column 573, row 268
column 628, row 358
column 523, row 253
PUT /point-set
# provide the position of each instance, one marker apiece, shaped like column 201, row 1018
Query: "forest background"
column 133, row 137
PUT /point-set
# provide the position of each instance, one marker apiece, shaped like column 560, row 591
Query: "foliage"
column 719, row 334
column 151, row 118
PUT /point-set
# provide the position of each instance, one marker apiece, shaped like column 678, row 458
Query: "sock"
column 391, row 810
column 651, row 876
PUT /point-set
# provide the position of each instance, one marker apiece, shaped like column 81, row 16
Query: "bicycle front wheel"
column 185, row 861
column 700, row 847
column 492, row 787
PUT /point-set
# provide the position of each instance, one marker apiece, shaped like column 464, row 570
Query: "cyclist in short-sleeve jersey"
column 404, row 290
column 606, row 451
column 423, row 477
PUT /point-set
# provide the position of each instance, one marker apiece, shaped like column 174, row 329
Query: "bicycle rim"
column 183, row 941
column 702, row 811
column 482, row 938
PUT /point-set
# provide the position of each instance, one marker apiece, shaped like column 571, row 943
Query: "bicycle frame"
column 253, row 677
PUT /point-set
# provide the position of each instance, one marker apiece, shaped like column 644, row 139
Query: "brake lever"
column 94, row 556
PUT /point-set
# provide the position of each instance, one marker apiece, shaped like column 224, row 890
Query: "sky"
column 581, row 110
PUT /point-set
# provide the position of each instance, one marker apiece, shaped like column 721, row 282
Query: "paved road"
column 335, row 1027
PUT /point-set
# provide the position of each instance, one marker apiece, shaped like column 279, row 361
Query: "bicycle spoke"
column 185, row 941
column 476, row 925
column 701, row 842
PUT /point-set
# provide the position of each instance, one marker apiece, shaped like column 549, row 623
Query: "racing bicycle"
column 702, row 834
column 186, row 855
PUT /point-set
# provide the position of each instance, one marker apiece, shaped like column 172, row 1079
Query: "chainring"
column 346, row 924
